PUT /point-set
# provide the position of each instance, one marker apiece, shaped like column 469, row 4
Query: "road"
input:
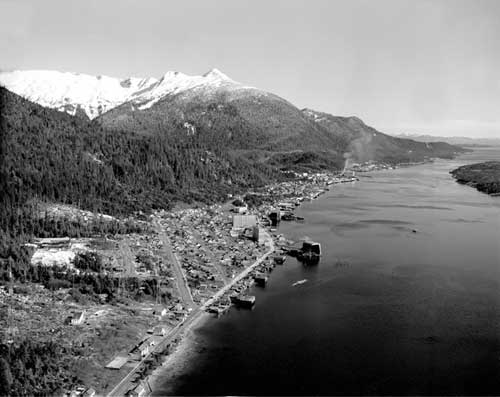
column 180, row 278
column 243, row 274
column 125, row 384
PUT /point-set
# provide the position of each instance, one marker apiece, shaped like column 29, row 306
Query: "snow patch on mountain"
column 96, row 95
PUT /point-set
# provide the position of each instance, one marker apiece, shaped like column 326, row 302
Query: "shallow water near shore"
column 405, row 299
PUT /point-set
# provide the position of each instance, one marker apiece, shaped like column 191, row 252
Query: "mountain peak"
column 216, row 73
column 66, row 91
column 171, row 74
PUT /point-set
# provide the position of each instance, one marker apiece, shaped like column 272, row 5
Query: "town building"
column 138, row 391
column 143, row 348
column 78, row 318
column 90, row 392
column 160, row 311
column 160, row 331
column 244, row 221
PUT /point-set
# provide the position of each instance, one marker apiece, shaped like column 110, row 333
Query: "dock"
column 244, row 301
column 260, row 279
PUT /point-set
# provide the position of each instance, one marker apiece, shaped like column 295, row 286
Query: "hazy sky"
column 401, row 66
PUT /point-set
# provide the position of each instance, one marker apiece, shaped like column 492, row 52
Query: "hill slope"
column 454, row 140
column 95, row 95
column 256, row 120
column 251, row 124
column 56, row 157
column 364, row 143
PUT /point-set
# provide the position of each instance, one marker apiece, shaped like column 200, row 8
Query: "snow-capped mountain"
column 95, row 95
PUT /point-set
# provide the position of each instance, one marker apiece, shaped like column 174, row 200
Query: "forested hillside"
column 50, row 156
column 53, row 156
column 485, row 177
column 183, row 149
column 362, row 142
column 251, row 119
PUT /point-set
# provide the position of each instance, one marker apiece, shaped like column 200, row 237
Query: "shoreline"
column 175, row 363
column 209, row 358
column 171, row 365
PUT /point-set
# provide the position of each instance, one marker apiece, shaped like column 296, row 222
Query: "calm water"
column 387, row 311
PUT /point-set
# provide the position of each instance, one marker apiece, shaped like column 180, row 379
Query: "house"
column 143, row 349
column 77, row 391
column 90, row 392
column 138, row 391
column 78, row 318
column 239, row 206
column 160, row 331
column 160, row 311
column 286, row 206
column 241, row 210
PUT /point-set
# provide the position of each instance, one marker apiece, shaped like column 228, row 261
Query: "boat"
column 300, row 282
column 288, row 217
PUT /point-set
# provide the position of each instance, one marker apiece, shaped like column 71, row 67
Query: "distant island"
column 453, row 140
column 485, row 177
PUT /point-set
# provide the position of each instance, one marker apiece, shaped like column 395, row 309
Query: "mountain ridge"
column 452, row 140
column 95, row 95
column 244, row 118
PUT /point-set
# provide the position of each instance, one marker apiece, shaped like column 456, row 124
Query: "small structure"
column 90, row 392
column 143, row 348
column 279, row 259
column 286, row 206
column 138, row 391
column 239, row 206
column 78, row 318
column 160, row 311
column 160, row 331
column 117, row 362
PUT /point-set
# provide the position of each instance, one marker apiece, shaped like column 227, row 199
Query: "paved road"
column 180, row 278
column 126, row 384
